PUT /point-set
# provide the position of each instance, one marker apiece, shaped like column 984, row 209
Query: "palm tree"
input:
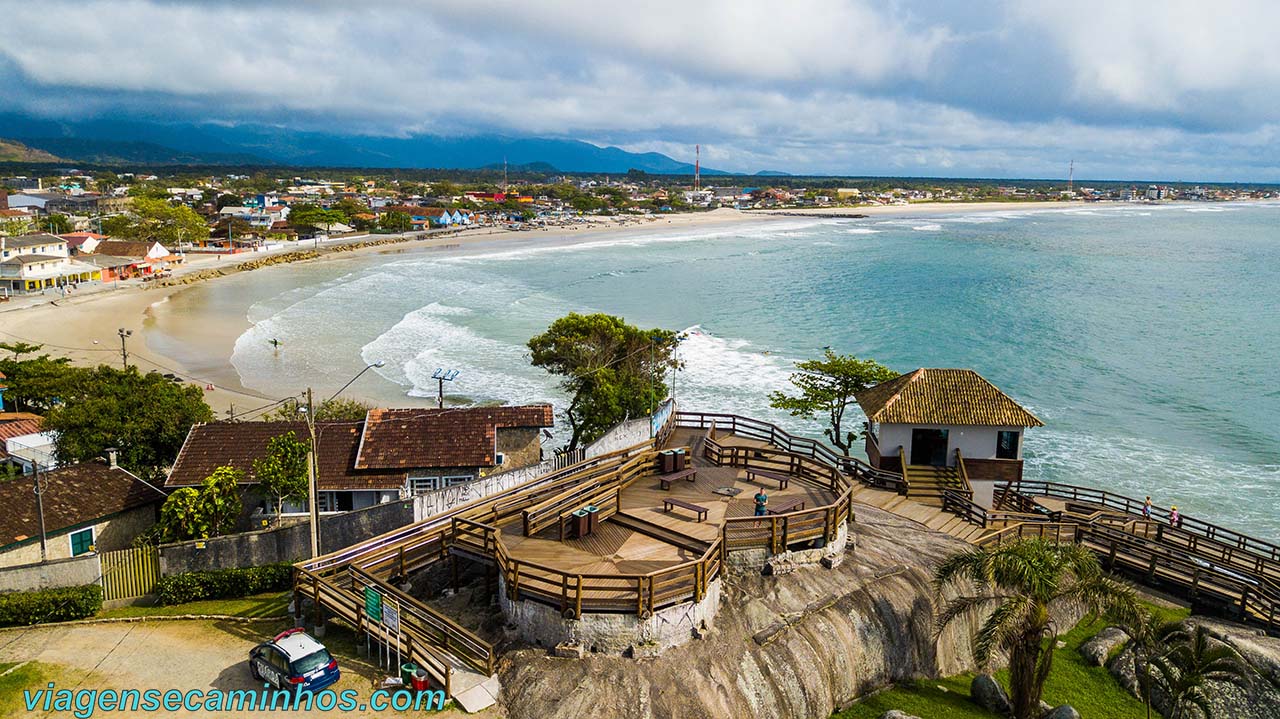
column 1024, row 582
column 1146, row 632
column 1188, row 663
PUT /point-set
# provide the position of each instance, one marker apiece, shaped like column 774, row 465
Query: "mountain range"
column 129, row 142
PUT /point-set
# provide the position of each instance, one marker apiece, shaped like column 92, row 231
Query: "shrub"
column 223, row 583
column 49, row 605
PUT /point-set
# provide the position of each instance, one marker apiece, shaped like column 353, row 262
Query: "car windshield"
column 312, row 662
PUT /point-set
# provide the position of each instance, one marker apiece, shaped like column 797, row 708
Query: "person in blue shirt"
column 762, row 500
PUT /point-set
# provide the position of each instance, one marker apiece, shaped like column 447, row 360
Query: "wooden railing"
column 902, row 460
column 873, row 476
column 1133, row 507
column 964, row 473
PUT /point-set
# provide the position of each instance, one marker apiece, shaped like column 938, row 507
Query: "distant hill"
column 14, row 151
column 144, row 142
column 772, row 173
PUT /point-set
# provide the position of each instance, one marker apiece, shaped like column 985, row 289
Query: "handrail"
column 964, row 473
column 1133, row 507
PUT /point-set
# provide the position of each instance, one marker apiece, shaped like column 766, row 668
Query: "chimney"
column 111, row 457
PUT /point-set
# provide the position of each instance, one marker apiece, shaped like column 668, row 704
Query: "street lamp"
column 443, row 375
column 379, row 363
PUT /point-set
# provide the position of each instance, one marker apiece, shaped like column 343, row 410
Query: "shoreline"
column 199, row 348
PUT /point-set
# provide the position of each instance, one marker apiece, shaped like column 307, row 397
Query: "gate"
column 128, row 573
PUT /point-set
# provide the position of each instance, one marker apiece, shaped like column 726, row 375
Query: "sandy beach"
column 196, row 343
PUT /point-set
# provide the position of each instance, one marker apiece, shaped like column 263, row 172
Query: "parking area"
column 180, row 655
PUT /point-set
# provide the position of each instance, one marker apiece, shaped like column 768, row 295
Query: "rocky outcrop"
column 799, row 645
column 987, row 693
column 895, row 714
column 1260, row 699
column 1103, row 645
column 1066, row 711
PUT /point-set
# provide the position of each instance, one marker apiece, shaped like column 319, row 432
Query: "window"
column 81, row 542
column 419, row 485
column 1007, row 445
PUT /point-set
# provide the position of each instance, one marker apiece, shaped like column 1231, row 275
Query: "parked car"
column 293, row 658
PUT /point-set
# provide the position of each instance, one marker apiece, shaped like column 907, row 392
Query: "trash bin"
column 666, row 461
column 681, row 459
column 581, row 523
column 420, row 683
column 407, row 671
column 593, row 517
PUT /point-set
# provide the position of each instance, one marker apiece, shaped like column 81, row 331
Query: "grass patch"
column 272, row 604
column 1091, row 690
column 32, row 675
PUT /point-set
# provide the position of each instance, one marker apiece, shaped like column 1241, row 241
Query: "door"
column 929, row 446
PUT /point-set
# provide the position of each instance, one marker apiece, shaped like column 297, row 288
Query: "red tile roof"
column 80, row 494
column 17, row 428
column 462, row 437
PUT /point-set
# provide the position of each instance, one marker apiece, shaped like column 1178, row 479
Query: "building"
column 33, row 263
column 83, row 243
column 87, row 507
column 393, row 453
column 22, row 183
column 941, row 417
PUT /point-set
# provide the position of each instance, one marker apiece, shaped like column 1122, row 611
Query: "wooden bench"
column 787, row 505
column 782, row 479
column 689, row 474
column 667, row 504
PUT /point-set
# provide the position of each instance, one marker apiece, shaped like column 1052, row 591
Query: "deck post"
column 315, row 588
column 577, row 605
column 564, row 593
column 639, row 595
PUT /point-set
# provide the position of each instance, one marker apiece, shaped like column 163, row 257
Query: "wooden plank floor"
column 616, row 549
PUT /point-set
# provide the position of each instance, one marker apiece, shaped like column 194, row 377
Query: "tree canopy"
column 212, row 510
column 611, row 370
column 827, row 387
column 155, row 220
column 332, row 410
column 282, row 473
column 144, row 416
column 309, row 218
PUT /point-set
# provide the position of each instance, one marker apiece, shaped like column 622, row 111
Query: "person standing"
column 762, row 502
column 1146, row 508
column 1175, row 519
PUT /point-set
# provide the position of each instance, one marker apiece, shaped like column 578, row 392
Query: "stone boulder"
column 987, row 693
column 1066, row 711
column 1099, row 649
column 895, row 714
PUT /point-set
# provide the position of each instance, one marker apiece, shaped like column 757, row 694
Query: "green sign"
column 372, row 604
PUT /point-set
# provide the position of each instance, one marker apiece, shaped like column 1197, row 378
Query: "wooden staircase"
column 925, row 483
column 929, row 515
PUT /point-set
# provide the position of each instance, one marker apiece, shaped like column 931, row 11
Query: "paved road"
column 164, row 655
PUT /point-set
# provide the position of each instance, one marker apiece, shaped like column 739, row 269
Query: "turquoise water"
column 1144, row 336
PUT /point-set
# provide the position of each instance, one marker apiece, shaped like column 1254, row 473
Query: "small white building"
column 946, row 418
column 32, row 263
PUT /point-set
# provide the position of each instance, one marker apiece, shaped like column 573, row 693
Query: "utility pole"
column 44, row 553
column 313, row 499
column 124, row 351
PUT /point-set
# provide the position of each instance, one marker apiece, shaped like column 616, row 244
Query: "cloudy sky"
column 1175, row 89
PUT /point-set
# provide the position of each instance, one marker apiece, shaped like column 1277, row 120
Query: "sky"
column 1174, row 90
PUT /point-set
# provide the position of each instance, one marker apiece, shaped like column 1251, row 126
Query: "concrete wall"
column 521, row 446
column 974, row 442
column 431, row 503
column 74, row 572
column 284, row 544
column 623, row 435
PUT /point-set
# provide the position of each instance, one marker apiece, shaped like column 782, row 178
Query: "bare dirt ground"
column 164, row 655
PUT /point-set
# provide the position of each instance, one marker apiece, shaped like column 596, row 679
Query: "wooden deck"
column 616, row 549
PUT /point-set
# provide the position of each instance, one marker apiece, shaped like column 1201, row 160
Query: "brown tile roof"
column 209, row 446
column 17, row 428
column 943, row 396
column 463, row 437
column 78, row 494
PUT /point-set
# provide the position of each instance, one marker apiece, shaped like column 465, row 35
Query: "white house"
column 946, row 418
column 32, row 263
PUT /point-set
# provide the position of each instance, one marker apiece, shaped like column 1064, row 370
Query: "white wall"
column 431, row 503
column 974, row 442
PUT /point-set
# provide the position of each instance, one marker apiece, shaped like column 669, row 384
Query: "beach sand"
column 196, row 342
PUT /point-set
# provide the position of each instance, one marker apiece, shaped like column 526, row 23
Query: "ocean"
column 1145, row 336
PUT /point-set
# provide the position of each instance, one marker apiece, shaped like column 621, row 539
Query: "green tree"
column 396, row 221
column 330, row 410
column 611, row 370
column 1022, row 584
column 56, row 224
column 309, row 218
column 35, row 384
column 282, row 473
column 180, row 517
column 145, row 416
column 1146, row 632
column 155, row 220
column 1191, row 660
column 827, row 386
column 227, row 200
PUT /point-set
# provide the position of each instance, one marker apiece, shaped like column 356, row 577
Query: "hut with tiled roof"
column 936, row 419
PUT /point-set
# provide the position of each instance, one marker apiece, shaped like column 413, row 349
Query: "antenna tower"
column 504, row 174
column 1071, row 178
column 697, row 167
